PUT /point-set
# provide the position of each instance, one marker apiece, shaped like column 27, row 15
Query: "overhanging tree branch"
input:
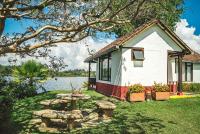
column 57, row 21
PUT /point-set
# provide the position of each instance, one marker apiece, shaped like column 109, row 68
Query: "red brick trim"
column 120, row 92
column 112, row 90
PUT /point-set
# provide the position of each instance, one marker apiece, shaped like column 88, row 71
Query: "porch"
column 174, row 71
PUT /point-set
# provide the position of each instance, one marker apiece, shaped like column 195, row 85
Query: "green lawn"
column 174, row 116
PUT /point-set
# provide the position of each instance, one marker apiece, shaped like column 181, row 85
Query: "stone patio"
column 55, row 121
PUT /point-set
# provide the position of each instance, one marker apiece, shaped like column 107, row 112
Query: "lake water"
column 64, row 83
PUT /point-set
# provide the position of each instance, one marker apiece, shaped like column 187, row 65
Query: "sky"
column 192, row 14
column 188, row 29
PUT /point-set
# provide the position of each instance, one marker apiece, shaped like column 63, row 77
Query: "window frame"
column 133, row 56
column 101, row 59
column 189, row 64
column 176, row 65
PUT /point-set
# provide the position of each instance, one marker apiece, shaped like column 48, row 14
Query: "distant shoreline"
column 70, row 76
column 7, row 71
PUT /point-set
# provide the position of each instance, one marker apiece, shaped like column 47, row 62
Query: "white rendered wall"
column 156, row 45
column 172, row 76
column 116, row 68
column 196, row 72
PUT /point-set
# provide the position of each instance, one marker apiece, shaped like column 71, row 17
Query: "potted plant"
column 160, row 91
column 136, row 93
column 76, row 92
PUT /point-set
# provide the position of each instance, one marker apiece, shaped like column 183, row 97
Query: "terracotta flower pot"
column 134, row 97
column 160, row 95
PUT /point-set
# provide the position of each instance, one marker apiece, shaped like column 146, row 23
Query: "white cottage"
column 151, row 53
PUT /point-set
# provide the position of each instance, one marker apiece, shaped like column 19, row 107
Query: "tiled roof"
column 195, row 57
column 135, row 32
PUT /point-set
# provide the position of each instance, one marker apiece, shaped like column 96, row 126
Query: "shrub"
column 27, row 79
column 23, row 90
column 30, row 72
column 5, row 96
column 159, row 87
column 191, row 87
column 186, row 87
column 136, row 88
column 85, row 84
column 6, row 100
column 195, row 87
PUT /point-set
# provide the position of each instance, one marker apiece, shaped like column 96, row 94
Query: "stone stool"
column 105, row 108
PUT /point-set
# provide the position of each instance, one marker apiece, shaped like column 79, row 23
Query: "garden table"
column 54, row 118
column 73, row 98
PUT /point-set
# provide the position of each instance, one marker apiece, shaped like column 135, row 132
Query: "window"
column 138, row 54
column 138, row 63
column 176, row 65
column 188, row 71
column 105, row 68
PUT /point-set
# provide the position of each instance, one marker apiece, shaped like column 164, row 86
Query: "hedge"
column 191, row 87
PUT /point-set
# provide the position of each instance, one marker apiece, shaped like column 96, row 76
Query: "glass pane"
column 188, row 73
column 109, row 78
column 105, row 69
column 138, row 54
column 138, row 63
column 105, row 72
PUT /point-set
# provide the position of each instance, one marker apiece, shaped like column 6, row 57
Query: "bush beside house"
column 191, row 87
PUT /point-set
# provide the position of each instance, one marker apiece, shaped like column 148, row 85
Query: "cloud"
column 186, row 33
column 73, row 53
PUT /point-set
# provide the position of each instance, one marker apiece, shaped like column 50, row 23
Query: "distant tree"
column 30, row 72
column 27, row 79
column 57, row 21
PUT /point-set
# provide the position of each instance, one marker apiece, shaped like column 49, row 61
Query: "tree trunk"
column 2, row 25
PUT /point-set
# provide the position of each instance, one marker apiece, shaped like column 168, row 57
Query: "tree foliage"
column 57, row 21
column 30, row 72
column 167, row 11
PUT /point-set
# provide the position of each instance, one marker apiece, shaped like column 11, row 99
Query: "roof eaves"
column 180, row 41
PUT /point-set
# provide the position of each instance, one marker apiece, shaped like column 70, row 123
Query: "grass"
column 173, row 116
